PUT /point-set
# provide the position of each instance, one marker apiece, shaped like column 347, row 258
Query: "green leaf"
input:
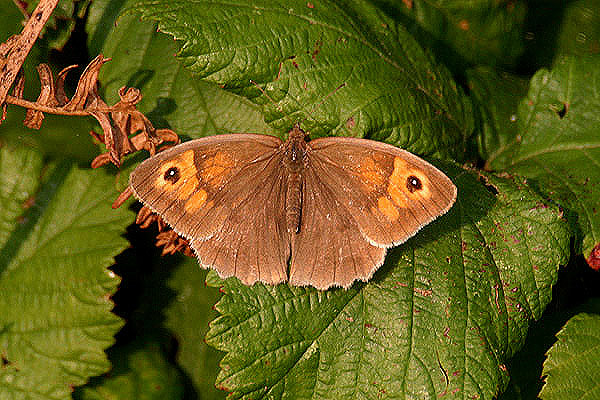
column 572, row 366
column 496, row 96
column 140, row 371
column 11, row 20
column 438, row 319
column 58, row 236
column 526, row 367
column 187, row 316
column 464, row 33
column 556, row 28
column 59, row 136
column 301, row 52
column 174, row 309
column 172, row 96
column 558, row 143
column 580, row 30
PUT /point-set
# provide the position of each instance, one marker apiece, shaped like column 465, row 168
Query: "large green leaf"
column 572, row 366
column 462, row 33
column 57, row 238
column 496, row 96
column 301, row 52
column 438, row 319
column 172, row 95
column 187, row 316
column 140, row 371
column 558, row 143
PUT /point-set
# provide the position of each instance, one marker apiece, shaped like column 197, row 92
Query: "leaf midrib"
column 554, row 149
column 310, row 341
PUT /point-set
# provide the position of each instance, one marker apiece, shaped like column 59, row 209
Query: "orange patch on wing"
column 196, row 201
column 187, row 182
column 397, row 188
column 216, row 168
column 372, row 175
column 387, row 208
column 397, row 195
column 187, row 188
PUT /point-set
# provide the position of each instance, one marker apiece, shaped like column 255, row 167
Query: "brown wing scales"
column 250, row 240
column 227, row 195
column 329, row 250
column 391, row 192
column 214, row 192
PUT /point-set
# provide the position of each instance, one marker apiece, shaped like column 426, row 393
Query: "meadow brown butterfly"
column 319, row 213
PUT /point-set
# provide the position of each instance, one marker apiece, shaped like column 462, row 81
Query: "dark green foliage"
column 448, row 313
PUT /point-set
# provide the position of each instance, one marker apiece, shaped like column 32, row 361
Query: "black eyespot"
column 413, row 184
column 172, row 175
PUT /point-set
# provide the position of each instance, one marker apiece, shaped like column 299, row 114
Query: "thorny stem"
column 22, row 45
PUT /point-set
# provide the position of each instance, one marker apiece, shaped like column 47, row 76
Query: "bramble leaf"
column 571, row 368
column 438, row 319
column 496, row 96
column 172, row 96
column 57, row 238
column 300, row 52
column 557, row 146
column 462, row 33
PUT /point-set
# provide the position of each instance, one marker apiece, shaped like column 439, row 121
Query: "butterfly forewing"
column 390, row 192
column 215, row 191
column 181, row 184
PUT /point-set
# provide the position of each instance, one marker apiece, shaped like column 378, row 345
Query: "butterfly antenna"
column 309, row 114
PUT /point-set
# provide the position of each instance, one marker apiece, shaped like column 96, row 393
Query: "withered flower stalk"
column 125, row 129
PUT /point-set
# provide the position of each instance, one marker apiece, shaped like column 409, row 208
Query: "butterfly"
column 310, row 212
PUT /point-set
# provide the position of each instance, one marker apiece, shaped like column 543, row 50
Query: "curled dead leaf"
column 594, row 259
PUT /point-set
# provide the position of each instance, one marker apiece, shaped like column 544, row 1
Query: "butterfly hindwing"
column 329, row 249
column 249, row 239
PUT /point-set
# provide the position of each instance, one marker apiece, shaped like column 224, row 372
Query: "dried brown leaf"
column 61, row 96
column 34, row 118
column 86, row 87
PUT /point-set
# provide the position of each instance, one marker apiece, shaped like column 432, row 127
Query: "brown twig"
column 118, row 122
column 14, row 51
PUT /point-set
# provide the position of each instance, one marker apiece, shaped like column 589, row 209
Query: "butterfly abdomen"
column 293, row 202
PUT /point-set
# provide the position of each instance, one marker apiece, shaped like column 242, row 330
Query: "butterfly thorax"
column 295, row 149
